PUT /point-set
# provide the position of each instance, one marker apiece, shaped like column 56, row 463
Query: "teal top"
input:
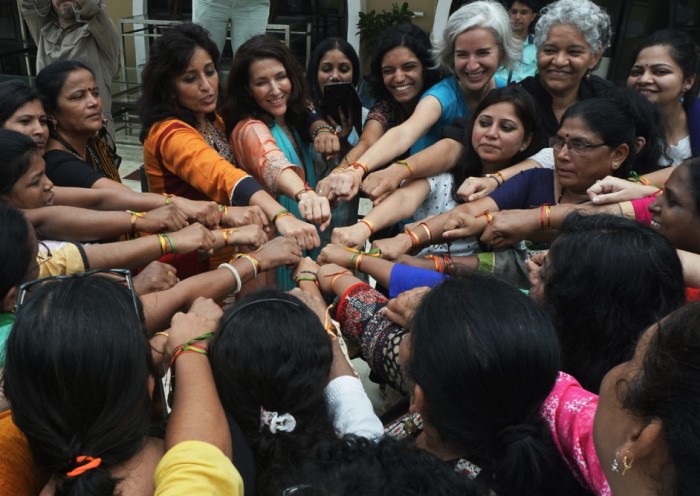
column 524, row 68
column 6, row 321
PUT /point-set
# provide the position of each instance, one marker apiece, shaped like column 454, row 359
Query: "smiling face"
column 79, row 105
column 402, row 73
column 498, row 135
column 334, row 67
column 674, row 212
column 197, row 89
column 34, row 189
column 563, row 59
column 270, row 86
column 30, row 120
column 476, row 58
column 576, row 171
column 658, row 77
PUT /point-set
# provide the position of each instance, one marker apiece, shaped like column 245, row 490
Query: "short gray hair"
column 590, row 19
column 486, row 14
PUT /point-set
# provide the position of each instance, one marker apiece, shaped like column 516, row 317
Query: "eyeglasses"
column 575, row 145
column 119, row 275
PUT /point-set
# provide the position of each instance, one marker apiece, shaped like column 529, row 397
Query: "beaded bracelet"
column 134, row 215
column 321, row 128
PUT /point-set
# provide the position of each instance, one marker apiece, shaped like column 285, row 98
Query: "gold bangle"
column 427, row 231
column 279, row 214
column 371, row 227
column 405, row 164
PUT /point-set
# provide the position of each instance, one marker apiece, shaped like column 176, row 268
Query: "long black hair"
column 321, row 49
column 76, row 377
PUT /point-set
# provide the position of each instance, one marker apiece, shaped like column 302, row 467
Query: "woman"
column 636, row 437
column 590, row 144
column 265, row 111
column 22, row 111
column 503, row 131
column 618, row 261
column 286, row 383
column 87, row 436
column 476, row 377
column 477, row 40
column 77, row 153
column 570, row 36
column 334, row 61
column 665, row 71
column 186, row 151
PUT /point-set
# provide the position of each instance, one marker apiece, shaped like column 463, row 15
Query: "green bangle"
column 201, row 337
column 172, row 245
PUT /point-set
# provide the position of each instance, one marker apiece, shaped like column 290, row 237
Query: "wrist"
column 304, row 193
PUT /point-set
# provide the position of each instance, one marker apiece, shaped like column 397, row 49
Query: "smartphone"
column 345, row 97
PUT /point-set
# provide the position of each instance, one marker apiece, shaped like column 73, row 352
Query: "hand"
column 327, row 145
column 391, row 248
column 345, row 124
column 353, row 236
column 474, row 188
column 278, row 252
column 316, row 304
column 305, row 264
column 461, row 224
column 204, row 212
column 304, row 234
column 251, row 236
column 511, row 226
column 202, row 317
column 616, row 190
column 401, row 309
column 315, row 208
column 342, row 185
column 168, row 218
column 380, row 184
column 244, row 216
column 156, row 276
column 534, row 266
column 193, row 237
column 334, row 254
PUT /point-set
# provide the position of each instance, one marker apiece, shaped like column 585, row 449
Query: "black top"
column 590, row 88
column 65, row 169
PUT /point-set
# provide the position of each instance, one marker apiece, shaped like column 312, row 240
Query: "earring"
column 53, row 120
column 615, row 165
column 626, row 465
column 588, row 75
column 614, row 466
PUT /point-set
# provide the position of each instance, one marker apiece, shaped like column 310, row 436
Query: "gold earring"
column 615, row 165
column 626, row 465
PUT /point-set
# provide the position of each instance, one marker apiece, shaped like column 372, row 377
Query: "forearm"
column 370, row 134
column 691, row 268
column 560, row 212
column 197, row 412
column 436, row 159
column 108, row 199
column 516, row 169
column 399, row 205
column 391, row 145
column 658, row 178
column 78, row 224
column 125, row 254
column 378, row 268
column 290, row 183
column 159, row 307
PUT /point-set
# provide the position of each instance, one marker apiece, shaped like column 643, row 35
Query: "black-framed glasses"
column 119, row 275
column 575, row 145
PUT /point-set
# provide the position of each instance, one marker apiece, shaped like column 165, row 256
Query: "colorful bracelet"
column 427, row 231
column 486, row 214
column 228, row 232
column 168, row 198
column 415, row 242
column 305, row 189
column 335, row 277
column 545, row 216
column 358, row 165
column 172, row 245
column 405, row 164
column 321, row 128
column 279, row 214
column 370, row 225
column 163, row 248
column 223, row 210
column 134, row 216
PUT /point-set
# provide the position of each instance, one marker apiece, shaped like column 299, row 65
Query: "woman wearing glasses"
column 598, row 137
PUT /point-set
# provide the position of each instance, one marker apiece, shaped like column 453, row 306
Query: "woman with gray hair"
column 571, row 36
column 477, row 40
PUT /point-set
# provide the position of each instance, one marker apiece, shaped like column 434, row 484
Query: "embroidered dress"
column 265, row 153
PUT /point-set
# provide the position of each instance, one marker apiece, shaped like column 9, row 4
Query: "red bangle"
column 486, row 214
